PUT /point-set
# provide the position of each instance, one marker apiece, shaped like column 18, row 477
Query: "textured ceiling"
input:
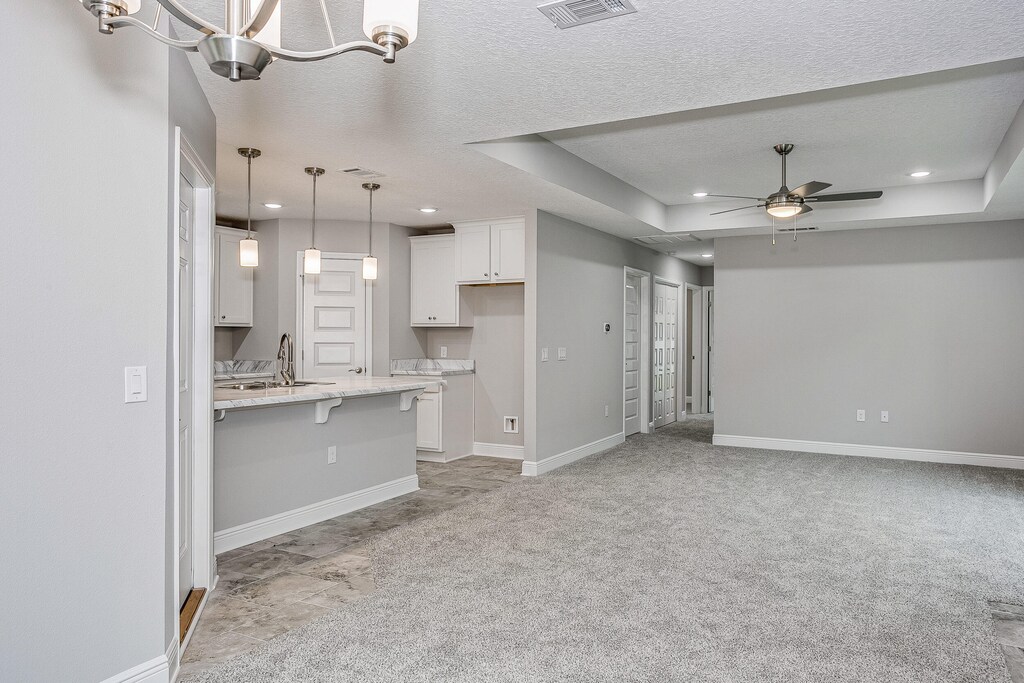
column 483, row 70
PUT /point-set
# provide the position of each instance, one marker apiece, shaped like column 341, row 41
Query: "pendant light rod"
column 316, row 172
column 249, row 153
column 370, row 261
column 371, row 187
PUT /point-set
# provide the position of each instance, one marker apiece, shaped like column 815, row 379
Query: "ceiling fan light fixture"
column 784, row 209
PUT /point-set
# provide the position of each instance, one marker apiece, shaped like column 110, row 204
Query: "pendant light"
column 311, row 258
column 370, row 261
column 249, row 248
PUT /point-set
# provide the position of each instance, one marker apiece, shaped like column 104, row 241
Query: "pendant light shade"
column 249, row 253
column 370, row 261
column 400, row 14
column 369, row 268
column 249, row 248
column 311, row 257
column 311, row 262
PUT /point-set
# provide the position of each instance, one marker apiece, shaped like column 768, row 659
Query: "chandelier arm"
column 260, row 18
column 186, row 17
column 293, row 56
column 121, row 22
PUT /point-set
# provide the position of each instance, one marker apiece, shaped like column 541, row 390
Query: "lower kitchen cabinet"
column 444, row 420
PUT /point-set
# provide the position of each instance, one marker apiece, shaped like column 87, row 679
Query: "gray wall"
column 274, row 284
column 83, row 276
column 274, row 460
column 707, row 276
column 579, row 286
column 925, row 322
column 495, row 342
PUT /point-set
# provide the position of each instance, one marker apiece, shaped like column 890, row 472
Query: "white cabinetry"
column 491, row 251
column 444, row 420
column 434, row 294
column 233, row 286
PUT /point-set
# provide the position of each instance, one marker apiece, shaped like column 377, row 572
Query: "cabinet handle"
column 495, row 275
column 222, row 317
column 485, row 274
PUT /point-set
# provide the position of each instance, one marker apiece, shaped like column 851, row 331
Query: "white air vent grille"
column 809, row 228
column 672, row 238
column 569, row 13
column 362, row 173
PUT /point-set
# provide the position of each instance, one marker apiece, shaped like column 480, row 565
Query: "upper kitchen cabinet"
column 233, row 286
column 434, row 293
column 490, row 251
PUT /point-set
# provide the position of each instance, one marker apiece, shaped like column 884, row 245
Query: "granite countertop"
column 339, row 387
column 433, row 367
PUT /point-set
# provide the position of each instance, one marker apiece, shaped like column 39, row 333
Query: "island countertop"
column 339, row 387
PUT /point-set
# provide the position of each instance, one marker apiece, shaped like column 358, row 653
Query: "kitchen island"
column 288, row 457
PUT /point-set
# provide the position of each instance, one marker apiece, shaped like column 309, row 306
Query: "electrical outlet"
column 885, row 416
column 444, row 352
column 606, row 410
column 561, row 353
column 544, row 355
column 511, row 424
column 332, row 455
column 861, row 416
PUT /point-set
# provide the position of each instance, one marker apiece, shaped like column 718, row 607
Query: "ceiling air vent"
column 809, row 228
column 362, row 173
column 569, row 13
column 668, row 239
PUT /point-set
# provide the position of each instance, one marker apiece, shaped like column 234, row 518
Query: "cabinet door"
column 508, row 252
column 422, row 273
column 428, row 421
column 446, row 306
column 473, row 253
column 233, row 284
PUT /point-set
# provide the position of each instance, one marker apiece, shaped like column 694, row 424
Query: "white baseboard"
column 283, row 522
column 155, row 670
column 896, row 453
column 533, row 469
column 442, row 457
column 497, row 450
column 173, row 650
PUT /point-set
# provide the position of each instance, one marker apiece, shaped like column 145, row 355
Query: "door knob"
column 358, row 371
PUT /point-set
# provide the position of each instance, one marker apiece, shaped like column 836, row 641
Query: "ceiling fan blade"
column 846, row 196
column 804, row 209
column 734, row 196
column 739, row 209
column 807, row 189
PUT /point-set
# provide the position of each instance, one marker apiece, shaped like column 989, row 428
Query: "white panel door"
column 508, row 252
column 666, row 302
column 473, row 253
column 631, row 355
column 334, row 320
column 186, row 231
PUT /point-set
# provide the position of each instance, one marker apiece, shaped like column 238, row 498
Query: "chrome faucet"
column 286, row 359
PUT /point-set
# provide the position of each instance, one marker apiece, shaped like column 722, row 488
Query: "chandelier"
column 251, row 38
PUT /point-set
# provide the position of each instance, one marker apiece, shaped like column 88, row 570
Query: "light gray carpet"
column 667, row 559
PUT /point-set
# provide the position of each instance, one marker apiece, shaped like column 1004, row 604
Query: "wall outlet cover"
column 885, row 416
column 444, row 352
column 861, row 416
column 544, row 355
column 561, row 353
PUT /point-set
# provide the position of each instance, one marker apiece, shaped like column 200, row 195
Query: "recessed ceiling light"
column 700, row 194
column 920, row 174
column 706, row 255
column 428, row 209
column 272, row 205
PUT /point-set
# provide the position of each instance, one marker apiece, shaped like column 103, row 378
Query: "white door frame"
column 645, row 348
column 680, row 334
column 697, row 364
column 299, row 280
column 707, row 351
column 204, row 568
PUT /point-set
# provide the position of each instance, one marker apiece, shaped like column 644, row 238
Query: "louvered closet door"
column 666, row 333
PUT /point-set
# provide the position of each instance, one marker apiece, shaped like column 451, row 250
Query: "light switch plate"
column 885, row 416
column 544, row 354
column 136, row 388
column 332, row 455
column 561, row 353
column 444, row 352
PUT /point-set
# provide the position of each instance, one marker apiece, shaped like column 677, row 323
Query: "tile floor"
column 272, row 586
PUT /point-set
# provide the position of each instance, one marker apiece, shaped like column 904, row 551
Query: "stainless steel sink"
column 261, row 385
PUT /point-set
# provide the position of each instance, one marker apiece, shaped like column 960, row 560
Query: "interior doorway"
column 665, row 356
column 191, row 360
column 334, row 323
column 699, row 342
column 636, row 345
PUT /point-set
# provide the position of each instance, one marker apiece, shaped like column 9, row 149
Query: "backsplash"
column 243, row 369
column 432, row 366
